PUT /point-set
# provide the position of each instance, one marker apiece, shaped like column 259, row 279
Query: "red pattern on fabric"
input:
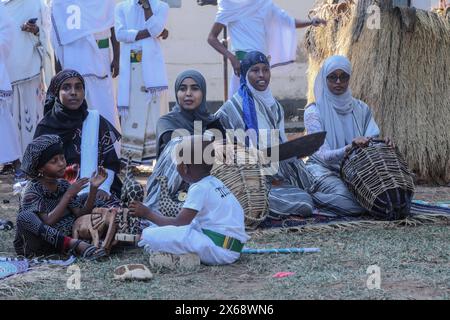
column 66, row 243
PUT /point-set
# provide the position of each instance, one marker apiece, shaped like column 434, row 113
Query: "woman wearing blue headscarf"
column 254, row 110
column 347, row 121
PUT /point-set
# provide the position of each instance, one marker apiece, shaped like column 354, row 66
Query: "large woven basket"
column 241, row 171
column 379, row 178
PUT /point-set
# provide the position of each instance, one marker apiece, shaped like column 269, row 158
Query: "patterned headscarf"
column 248, row 104
column 39, row 151
column 57, row 118
column 55, row 86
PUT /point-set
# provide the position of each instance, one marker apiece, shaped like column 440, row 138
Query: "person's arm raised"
column 219, row 47
column 116, row 54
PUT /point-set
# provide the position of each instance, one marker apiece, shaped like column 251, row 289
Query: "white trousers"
column 139, row 125
column 100, row 96
column 10, row 148
column 27, row 109
column 186, row 239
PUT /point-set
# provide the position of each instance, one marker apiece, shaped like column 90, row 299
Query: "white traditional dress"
column 142, row 95
column 80, row 37
column 258, row 25
column 10, row 149
column 29, row 65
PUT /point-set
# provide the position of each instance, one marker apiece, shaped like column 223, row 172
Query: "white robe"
column 130, row 19
column 272, row 32
column 10, row 149
column 31, row 73
column 142, row 95
column 77, row 48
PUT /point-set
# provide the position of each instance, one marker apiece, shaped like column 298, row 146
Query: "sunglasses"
column 342, row 78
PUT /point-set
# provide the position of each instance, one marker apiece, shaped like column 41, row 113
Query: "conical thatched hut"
column 401, row 68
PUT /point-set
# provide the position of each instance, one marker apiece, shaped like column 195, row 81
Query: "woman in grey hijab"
column 192, row 108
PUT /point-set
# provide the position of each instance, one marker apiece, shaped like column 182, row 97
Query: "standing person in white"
column 81, row 34
column 256, row 25
column 142, row 96
column 211, row 222
column 29, row 64
column 10, row 149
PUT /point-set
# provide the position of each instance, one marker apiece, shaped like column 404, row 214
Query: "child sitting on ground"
column 49, row 204
column 211, row 222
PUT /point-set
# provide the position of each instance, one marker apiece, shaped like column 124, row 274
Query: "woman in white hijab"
column 347, row 121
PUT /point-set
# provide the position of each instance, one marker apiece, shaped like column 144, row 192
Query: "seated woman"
column 88, row 138
column 347, row 121
column 190, row 93
column 254, row 107
column 49, row 204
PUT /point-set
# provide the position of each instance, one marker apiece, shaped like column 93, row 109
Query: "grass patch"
column 414, row 263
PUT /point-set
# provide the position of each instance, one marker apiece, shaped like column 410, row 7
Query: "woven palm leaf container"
column 379, row 178
column 241, row 171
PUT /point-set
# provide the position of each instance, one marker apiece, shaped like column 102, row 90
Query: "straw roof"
column 400, row 69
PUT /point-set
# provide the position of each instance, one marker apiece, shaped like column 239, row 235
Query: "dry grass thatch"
column 401, row 70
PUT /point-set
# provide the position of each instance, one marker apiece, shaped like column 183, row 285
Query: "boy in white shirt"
column 211, row 222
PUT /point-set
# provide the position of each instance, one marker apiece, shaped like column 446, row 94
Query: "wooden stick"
column 225, row 66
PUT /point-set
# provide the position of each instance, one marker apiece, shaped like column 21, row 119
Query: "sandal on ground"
column 132, row 272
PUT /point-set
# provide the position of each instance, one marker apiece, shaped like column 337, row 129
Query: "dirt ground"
column 414, row 263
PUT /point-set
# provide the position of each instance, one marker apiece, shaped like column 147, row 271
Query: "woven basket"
column 241, row 171
column 379, row 178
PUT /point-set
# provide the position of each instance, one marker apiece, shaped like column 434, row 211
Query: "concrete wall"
column 186, row 48
column 425, row 4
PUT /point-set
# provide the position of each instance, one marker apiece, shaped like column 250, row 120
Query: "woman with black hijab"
column 189, row 116
column 88, row 138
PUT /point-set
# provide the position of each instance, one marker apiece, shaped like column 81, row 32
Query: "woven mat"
column 421, row 213
column 9, row 268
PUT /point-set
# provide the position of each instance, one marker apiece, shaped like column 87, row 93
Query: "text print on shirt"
column 223, row 191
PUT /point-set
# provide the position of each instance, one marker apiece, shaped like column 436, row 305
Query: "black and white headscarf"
column 55, row 86
column 39, row 149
